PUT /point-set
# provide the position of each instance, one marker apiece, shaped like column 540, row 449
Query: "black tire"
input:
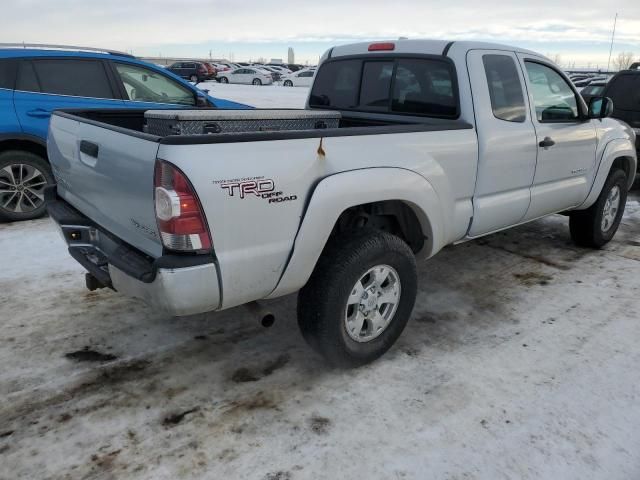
column 288, row 83
column 193, row 78
column 322, row 303
column 257, row 81
column 224, row 80
column 13, row 163
column 586, row 226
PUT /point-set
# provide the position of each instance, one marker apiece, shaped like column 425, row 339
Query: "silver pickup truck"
column 439, row 142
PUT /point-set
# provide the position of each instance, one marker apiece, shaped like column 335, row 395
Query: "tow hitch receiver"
column 92, row 282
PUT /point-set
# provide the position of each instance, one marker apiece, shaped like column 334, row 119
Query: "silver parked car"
column 247, row 75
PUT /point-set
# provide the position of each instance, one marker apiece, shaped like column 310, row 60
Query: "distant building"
column 276, row 61
column 291, row 58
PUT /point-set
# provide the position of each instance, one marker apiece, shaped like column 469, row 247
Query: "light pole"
column 613, row 34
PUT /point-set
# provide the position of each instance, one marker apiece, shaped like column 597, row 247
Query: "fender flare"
column 616, row 148
column 336, row 193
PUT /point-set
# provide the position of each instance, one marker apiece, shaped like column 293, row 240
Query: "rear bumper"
column 176, row 284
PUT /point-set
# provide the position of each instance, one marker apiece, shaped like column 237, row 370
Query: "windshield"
column 593, row 90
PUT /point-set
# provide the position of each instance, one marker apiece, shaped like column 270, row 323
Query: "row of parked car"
column 247, row 73
column 35, row 80
column 623, row 89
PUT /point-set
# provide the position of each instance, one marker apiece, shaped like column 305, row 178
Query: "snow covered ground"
column 520, row 362
column 265, row 96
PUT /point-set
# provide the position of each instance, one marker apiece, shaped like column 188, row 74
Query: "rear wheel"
column 288, row 83
column 359, row 297
column 224, row 80
column 257, row 81
column 596, row 226
column 194, row 78
column 23, row 178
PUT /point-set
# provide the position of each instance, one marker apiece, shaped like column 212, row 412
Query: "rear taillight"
column 178, row 211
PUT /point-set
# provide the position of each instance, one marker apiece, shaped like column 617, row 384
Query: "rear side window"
column 27, row 80
column 7, row 74
column 415, row 86
column 78, row 78
column 425, row 87
column 376, row 84
column 505, row 89
column 337, row 85
column 625, row 92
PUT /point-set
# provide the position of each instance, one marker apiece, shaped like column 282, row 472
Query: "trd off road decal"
column 259, row 186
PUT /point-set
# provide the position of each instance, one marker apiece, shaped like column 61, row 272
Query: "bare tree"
column 623, row 60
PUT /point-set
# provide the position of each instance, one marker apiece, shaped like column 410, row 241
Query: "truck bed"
column 104, row 164
column 131, row 122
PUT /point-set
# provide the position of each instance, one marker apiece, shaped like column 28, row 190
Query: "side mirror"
column 600, row 107
column 201, row 101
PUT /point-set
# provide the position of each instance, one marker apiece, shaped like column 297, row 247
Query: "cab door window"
column 554, row 100
column 144, row 85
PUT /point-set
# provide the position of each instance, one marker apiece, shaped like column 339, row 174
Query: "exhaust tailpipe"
column 266, row 317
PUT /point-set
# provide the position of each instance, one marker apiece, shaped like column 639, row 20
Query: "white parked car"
column 248, row 75
column 282, row 70
column 301, row 78
column 222, row 67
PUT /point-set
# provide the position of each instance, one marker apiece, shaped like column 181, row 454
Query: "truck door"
column 566, row 141
column 506, row 141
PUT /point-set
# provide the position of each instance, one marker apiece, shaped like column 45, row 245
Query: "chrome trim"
column 70, row 96
column 99, row 98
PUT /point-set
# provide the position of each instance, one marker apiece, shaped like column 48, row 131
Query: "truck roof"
column 424, row 46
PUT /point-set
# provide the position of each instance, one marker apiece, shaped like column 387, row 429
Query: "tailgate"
column 107, row 174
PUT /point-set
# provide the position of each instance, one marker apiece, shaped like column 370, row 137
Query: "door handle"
column 39, row 113
column 89, row 148
column 547, row 142
column 89, row 153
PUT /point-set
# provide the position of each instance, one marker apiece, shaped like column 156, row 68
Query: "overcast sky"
column 580, row 31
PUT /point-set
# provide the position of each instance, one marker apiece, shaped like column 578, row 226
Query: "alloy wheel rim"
column 21, row 188
column 611, row 207
column 372, row 303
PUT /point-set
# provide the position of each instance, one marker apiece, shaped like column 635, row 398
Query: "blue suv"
column 35, row 80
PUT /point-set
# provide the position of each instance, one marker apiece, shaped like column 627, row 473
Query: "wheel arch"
column 28, row 143
column 401, row 200
column 618, row 153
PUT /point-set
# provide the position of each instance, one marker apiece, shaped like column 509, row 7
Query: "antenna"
column 613, row 34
